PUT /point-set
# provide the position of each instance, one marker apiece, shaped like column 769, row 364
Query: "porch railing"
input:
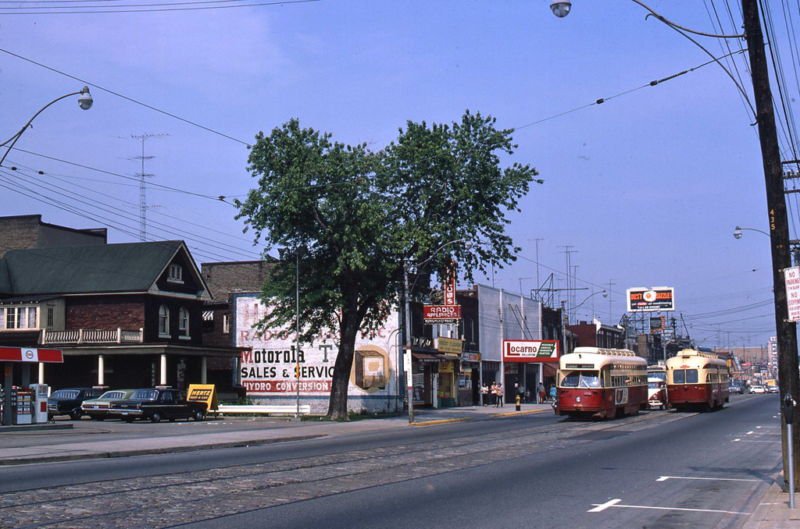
column 92, row 336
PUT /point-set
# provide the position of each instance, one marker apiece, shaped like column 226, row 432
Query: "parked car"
column 157, row 404
column 68, row 401
column 100, row 408
column 758, row 389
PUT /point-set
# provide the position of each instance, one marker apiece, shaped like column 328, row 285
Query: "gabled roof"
column 130, row 267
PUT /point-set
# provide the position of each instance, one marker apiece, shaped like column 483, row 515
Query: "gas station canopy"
column 31, row 354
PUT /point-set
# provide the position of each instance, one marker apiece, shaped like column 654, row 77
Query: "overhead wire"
column 143, row 8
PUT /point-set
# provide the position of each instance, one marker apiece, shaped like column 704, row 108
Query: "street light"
column 407, row 305
column 560, row 9
column 776, row 201
column 84, row 101
column 737, row 232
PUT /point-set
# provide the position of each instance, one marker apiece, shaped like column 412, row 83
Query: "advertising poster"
column 273, row 368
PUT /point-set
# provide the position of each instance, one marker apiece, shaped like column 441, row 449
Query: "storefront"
column 469, row 379
column 525, row 362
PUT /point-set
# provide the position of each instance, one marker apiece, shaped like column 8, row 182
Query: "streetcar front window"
column 582, row 379
column 684, row 376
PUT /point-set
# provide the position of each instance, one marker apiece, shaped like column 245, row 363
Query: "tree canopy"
column 350, row 218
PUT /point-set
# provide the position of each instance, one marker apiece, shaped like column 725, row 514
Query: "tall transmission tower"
column 143, row 207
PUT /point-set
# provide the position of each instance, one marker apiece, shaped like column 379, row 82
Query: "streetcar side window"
column 691, row 376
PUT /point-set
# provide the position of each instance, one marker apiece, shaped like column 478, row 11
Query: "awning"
column 425, row 357
column 31, row 354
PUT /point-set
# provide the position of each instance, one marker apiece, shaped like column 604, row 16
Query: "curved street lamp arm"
column 13, row 139
column 668, row 22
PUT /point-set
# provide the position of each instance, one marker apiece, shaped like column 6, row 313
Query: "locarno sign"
column 530, row 351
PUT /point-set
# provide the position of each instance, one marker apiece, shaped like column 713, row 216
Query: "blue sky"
column 645, row 188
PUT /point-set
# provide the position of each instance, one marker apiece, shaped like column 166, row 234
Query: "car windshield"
column 112, row 395
column 582, row 379
column 65, row 394
column 654, row 385
column 144, row 394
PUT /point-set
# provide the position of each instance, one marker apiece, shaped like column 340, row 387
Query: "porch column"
column 101, row 371
column 163, row 370
column 203, row 370
column 41, row 372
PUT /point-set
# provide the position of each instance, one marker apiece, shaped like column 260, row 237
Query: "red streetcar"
column 601, row 383
column 697, row 380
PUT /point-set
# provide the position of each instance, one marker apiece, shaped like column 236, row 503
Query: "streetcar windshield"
column 684, row 376
column 582, row 379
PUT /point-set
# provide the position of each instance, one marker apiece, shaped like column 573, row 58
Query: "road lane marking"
column 615, row 503
column 665, row 478
column 603, row 506
column 750, row 432
column 736, row 440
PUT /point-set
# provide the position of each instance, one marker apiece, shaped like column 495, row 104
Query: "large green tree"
column 349, row 218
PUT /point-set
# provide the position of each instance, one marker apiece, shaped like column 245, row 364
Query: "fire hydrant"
column 518, row 402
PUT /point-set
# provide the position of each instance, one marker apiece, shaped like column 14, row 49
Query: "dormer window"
column 175, row 273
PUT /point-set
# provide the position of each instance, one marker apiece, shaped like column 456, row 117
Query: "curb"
column 153, row 451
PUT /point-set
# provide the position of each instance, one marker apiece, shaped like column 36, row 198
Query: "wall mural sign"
column 274, row 366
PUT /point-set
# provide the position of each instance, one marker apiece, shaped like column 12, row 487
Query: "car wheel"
column 199, row 415
column 156, row 417
column 95, row 418
column 75, row 415
column 128, row 419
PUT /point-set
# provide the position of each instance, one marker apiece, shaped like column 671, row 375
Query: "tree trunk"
column 337, row 407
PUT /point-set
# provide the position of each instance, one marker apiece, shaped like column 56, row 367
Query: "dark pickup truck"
column 157, row 404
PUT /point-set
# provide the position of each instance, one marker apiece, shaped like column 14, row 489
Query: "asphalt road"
column 656, row 470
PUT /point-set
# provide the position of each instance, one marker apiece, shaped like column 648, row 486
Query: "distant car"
column 157, row 404
column 758, row 389
column 100, row 408
column 773, row 389
column 657, row 393
column 735, row 388
column 68, row 401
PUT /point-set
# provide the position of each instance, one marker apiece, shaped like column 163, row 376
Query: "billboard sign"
column 655, row 299
column 524, row 351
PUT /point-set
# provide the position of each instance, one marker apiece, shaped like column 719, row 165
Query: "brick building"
column 28, row 231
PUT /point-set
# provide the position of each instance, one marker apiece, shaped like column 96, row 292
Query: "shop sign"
column 449, row 286
column 655, row 299
column 449, row 345
column 530, row 350
column 471, row 357
column 421, row 342
column 441, row 313
column 203, row 393
column 31, row 354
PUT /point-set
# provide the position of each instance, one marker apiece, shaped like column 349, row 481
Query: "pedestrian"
column 493, row 393
column 484, row 394
column 553, row 392
column 542, row 396
column 499, row 393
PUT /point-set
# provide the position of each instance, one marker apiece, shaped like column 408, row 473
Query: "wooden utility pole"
column 778, row 222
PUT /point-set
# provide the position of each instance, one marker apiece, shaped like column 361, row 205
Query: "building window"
column 226, row 323
column 183, row 323
column 163, row 321
column 19, row 318
column 175, row 273
column 50, row 317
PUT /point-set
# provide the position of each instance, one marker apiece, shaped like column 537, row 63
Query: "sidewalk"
column 280, row 431
column 773, row 511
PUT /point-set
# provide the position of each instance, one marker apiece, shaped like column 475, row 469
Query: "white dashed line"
column 665, row 478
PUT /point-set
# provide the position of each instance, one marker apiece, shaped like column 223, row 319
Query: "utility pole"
column 778, row 225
